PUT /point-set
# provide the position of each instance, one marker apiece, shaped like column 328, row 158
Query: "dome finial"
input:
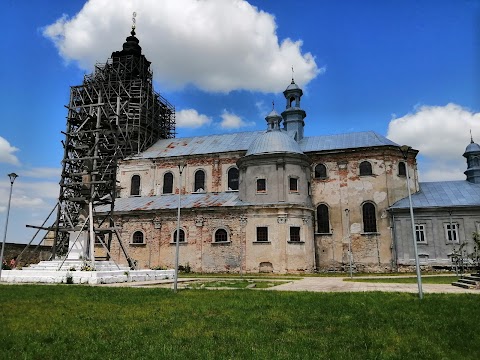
column 134, row 15
column 293, row 81
column 471, row 137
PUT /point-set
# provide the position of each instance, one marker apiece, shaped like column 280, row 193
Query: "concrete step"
column 467, row 281
column 463, row 285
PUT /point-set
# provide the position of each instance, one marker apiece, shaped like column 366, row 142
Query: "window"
column 293, row 183
column 137, row 237
column 221, row 235
column 199, row 185
column 365, row 168
column 323, row 222
column 168, row 183
column 369, row 218
column 135, row 185
column 320, row 171
column 295, row 234
column 262, row 233
column 181, row 238
column 233, row 179
column 402, row 169
column 451, row 232
column 261, row 185
column 420, row 233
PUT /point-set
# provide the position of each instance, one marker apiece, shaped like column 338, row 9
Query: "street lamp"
column 181, row 167
column 12, row 177
column 347, row 215
column 404, row 150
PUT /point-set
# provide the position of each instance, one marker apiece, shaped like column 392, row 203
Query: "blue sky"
column 406, row 69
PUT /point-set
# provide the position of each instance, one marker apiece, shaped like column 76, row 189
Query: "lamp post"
column 12, row 177
column 404, row 150
column 181, row 167
column 347, row 215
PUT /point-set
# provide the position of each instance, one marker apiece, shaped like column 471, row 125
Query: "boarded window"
column 168, row 183
column 323, row 222
column 262, row 233
column 233, row 179
column 369, row 218
column 199, row 185
column 320, row 171
column 135, row 185
column 365, row 168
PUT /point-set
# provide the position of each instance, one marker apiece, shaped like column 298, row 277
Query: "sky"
column 408, row 70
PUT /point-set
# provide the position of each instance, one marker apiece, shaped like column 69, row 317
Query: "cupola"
column 293, row 116
column 472, row 154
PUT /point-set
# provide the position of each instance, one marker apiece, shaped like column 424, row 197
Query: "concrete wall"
column 437, row 250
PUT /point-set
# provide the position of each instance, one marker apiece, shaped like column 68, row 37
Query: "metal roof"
column 443, row 194
column 274, row 141
column 170, row 202
column 344, row 141
column 241, row 141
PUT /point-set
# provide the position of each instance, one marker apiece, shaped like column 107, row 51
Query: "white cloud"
column 216, row 45
column 441, row 134
column 232, row 121
column 7, row 152
column 42, row 173
column 190, row 118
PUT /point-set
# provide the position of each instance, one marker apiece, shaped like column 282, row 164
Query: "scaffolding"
column 114, row 114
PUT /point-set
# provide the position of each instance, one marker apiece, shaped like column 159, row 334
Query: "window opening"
column 168, row 183
column 323, row 222
column 369, row 218
column 135, row 185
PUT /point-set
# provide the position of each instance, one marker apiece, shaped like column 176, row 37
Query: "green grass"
column 83, row 322
column 233, row 284
column 410, row 280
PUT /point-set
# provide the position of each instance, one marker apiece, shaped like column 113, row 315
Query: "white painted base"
column 106, row 272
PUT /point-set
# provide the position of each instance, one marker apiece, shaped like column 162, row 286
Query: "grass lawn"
column 86, row 322
column 410, row 280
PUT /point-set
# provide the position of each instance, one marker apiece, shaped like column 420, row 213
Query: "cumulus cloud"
column 190, row 118
column 441, row 134
column 232, row 121
column 216, row 45
column 7, row 152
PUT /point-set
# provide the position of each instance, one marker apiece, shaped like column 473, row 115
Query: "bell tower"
column 294, row 115
column 472, row 154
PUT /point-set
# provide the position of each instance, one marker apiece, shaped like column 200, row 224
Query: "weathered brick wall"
column 30, row 256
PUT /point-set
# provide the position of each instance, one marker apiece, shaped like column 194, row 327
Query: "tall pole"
column 404, row 149
column 181, row 166
column 12, row 177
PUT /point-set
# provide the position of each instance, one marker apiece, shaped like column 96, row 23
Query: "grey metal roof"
column 344, row 141
column 472, row 147
column 241, row 141
column 443, row 194
column 274, row 141
column 170, row 202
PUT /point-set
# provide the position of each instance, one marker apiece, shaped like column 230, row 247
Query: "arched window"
column 402, row 169
column 320, row 171
column 137, row 237
column 221, row 235
column 233, row 179
column 168, row 183
column 181, row 238
column 135, row 185
column 323, row 221
column 199, row 185
column 365, row 168
column 369, row 218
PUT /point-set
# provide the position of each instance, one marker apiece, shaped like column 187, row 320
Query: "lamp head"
column 12, row 177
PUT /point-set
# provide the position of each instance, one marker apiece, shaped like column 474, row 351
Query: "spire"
column 134, row 15
column 471, row 137
column 293, row 81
